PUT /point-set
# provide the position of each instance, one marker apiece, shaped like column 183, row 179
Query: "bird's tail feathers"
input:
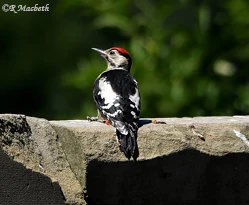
column 128, row 142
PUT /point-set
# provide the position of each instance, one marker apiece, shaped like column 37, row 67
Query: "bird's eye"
column 112, row 52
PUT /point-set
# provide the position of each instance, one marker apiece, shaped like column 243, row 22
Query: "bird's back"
column 117, row 97
column 117, row 91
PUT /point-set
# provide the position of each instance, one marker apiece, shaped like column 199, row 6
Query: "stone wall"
column 202, row 160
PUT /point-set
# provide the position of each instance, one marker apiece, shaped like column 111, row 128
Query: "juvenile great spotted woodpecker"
column 117, row 98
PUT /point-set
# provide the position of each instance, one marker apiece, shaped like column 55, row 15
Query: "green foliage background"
column 190, row 57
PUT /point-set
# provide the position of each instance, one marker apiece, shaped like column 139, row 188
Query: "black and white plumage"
column 117, row 98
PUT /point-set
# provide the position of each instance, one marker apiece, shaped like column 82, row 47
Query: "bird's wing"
column 118, row 99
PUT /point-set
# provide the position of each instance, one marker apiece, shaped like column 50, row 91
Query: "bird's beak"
column 100, row 51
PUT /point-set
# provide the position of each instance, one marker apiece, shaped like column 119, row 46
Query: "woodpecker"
column 117, row 98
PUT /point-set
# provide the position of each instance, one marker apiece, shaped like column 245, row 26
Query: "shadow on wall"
column 19, row 185
column 188, row 177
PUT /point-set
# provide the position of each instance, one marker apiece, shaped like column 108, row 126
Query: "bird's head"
column 116, row 58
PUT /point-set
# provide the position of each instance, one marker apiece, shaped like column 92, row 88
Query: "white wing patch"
column 131, row 105
column 135, row 99
column 112, row 114
column 107, row 93
column 134, row 114
column 121, row 128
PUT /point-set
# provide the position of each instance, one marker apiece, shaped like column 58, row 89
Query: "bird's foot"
column 107, row 122
column 94, row 119
column 97, row 119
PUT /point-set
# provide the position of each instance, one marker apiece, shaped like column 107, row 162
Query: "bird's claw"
column 91, row 119
column 95, row 119
column 107, row 122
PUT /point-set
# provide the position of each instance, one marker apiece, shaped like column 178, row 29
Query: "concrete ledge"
column 202, row 160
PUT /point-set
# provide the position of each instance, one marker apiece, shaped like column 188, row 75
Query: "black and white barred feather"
column 117, row 98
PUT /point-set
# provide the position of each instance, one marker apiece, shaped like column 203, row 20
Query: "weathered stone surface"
column 202, row 160
column 180, row 162
column 34, row 144
column 211, row 135
column 53, row 160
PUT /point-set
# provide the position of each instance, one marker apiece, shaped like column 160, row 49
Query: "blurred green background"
column 190, row 57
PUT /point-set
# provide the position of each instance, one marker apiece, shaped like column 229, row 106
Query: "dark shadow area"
column 188, row 177
column 143, row 122
column 19, row 185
